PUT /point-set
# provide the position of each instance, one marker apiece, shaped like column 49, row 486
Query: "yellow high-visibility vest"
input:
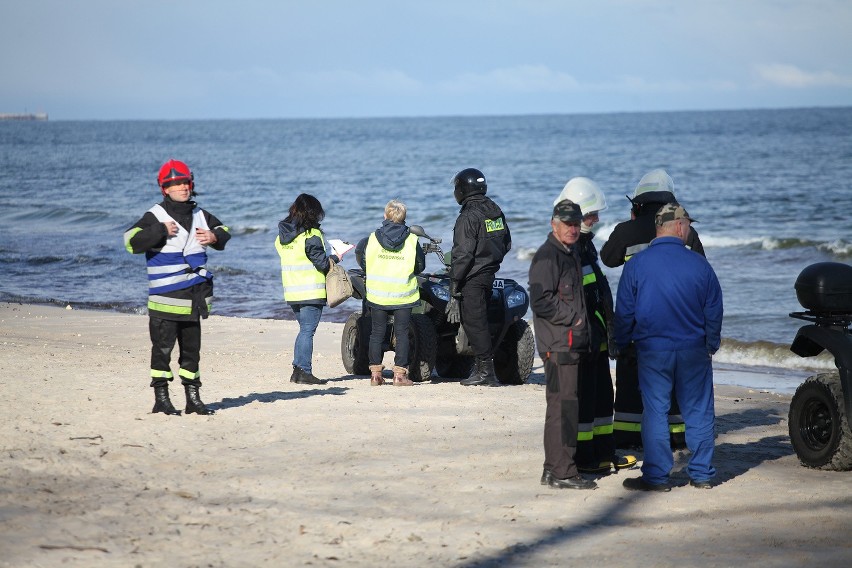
column 390, row 274
column 300, row 278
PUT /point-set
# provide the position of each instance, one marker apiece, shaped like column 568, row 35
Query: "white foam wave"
column 766, row 354
column 838, row 247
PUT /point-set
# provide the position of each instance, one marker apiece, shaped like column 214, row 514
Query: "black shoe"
column 162, row 402
column 575, row 482
column 639, row 484
column 701, row 484
column 483, row 375
column 193, row 402
column 304, row 378
column 546, row 476
column 480, row 381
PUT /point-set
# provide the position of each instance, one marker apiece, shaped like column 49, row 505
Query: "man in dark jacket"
column 558, row 303
column 481, row 239
column 654, row 190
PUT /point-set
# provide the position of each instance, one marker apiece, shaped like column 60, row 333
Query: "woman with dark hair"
column 304, row 264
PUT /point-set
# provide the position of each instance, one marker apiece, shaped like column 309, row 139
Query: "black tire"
column 423, row 344
column 354, row 343
column 449, row 364
column 513, row 359
column 819, row 427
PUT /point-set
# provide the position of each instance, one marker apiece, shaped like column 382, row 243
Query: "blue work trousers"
column 689, row 374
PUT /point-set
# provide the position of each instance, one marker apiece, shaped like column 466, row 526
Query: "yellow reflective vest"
column 390, row 274
column 300, row 278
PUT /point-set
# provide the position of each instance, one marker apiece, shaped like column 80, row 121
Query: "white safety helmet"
column 585, row 193
column 655, row 186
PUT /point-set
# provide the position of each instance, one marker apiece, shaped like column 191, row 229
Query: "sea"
column 771, row 190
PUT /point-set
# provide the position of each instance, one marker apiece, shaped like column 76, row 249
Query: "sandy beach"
column 351, row 475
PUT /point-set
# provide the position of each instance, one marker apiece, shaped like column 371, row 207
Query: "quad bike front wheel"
column 513, row 358
column 819, row 427
column 448, row 363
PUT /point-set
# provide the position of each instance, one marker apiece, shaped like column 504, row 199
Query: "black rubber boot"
column 488, row 375
column 483, row 375
column 193, row 402
column 474, row 372
column 162, row 403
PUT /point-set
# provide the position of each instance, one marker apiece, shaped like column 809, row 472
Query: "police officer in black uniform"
column 481, row 239
column 655, row 189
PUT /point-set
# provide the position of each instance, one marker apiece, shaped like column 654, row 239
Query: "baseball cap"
column 568, row 212
column 672, row 212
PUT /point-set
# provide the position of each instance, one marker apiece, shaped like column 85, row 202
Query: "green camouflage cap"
column 568, row 212
column 672, row 212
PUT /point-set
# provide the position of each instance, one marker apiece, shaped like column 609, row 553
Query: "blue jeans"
column 308, row 316
column 689, row 373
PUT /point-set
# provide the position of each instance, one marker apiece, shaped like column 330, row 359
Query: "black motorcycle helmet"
column 468, row 182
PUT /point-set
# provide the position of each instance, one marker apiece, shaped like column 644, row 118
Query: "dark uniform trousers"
column 560, row 420
column 474, row 314
column 164, row 333
column 594, row 390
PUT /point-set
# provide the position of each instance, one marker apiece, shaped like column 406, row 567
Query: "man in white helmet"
column 655, row 189
column 595, row 444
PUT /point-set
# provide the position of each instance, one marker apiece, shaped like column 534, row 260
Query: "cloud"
column 388, row 81
column 791, row 76
column 519, row 79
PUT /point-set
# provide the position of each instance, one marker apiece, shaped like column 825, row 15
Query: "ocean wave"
column 768, row 354
column 121, row 307
column 42, row 260
column 525, row 253
column 63, row 215
column 249, row 229
column 230, row 271
column 837, row 247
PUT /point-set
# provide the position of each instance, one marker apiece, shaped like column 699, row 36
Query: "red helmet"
column 172, row 171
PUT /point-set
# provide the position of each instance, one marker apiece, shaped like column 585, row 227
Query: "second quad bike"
column 440, row 346
column 822, row 405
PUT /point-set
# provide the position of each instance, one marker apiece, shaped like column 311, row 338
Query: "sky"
column 218, row 59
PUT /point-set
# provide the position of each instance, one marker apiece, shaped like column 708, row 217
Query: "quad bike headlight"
column 441, row 293
column 516, row 298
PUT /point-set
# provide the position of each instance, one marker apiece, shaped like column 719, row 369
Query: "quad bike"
column 822, row 405
column 438, row 345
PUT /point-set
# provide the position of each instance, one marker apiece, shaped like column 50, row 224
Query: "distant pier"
column 25, row 116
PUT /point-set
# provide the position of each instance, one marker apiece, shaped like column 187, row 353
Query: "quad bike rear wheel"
column 354, row 344
column 423, row 342
column 819, row 427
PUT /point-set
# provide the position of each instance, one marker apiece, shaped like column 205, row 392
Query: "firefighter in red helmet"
column 175, row 235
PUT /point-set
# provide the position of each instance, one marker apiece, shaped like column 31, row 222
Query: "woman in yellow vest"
column 304, row 264
column 391, row 256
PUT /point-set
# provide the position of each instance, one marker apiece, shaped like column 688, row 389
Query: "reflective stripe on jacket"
column 390, row 274
column 181, row 262
column 300, row 278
